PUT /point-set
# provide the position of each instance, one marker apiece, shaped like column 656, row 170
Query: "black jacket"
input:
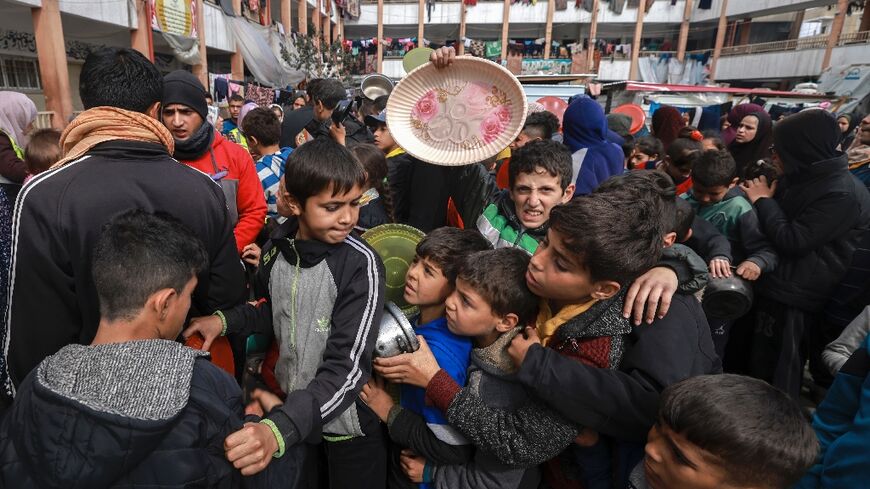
column 708, row 242
column 623, row 402
column 74, row 425
column 420, row 192
column 59, row 216
column 814, row 221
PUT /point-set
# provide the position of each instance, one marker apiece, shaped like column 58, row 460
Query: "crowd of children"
column 568, row 335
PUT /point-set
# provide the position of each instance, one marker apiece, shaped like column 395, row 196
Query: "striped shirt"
column 270, row 169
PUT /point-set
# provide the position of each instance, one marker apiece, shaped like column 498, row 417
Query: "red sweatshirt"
column 250, row 199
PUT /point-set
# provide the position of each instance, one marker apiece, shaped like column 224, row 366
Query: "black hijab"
column 805, row 139
column 748, row 153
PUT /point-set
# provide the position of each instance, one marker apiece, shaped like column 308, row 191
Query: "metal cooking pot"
column 727, row 298
column 396, row 335
column 376, row 85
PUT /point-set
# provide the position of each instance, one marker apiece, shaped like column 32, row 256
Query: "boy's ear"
column 605, row 289
column 733, row 182
column 293, row 203
column 688, row 235
column 669, row 239
column 508, row 322
column 252, row 139
column 161, row 301
column 154, row 111
column 568, row 194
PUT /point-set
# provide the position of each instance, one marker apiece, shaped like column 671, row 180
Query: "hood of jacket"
column 584, row 125
column 309, row 252
column 94, row 413
column 508, row 209
column 807, row 144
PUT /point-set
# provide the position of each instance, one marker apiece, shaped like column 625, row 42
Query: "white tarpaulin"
column 260, row 48
column 851, row 81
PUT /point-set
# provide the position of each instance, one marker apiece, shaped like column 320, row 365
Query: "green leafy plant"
column 326, row 60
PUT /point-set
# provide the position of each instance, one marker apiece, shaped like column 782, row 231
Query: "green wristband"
column 281, row 447
column 223, row 322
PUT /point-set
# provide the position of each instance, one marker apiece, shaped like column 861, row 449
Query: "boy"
column 726, row 431
column 593, row 247
column 430, row 280
column 539, row 179
column 262, row 129
column 717, row 199
column 420, row 190
column 539, row 126
column 647, row 152
column 513, row 433
column 134, row 408
column 230, row 128
column 43, row 150
column 322, row 292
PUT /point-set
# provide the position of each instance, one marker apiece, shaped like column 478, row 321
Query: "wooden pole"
column 237, row 63
column 865, row 18
column 684, row 32
column 51, row 56
column 505, row 21
column 720, row 38
column 201, row 69
column 140, row 37
column 421, row 12
column 635, row 43
column 380, row 64
column 795, row 31
column 593, row 32
column 836, row 30
column 461, row 48
column 548, row 32
column 302, row 17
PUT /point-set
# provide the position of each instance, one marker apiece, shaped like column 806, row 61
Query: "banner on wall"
column 176, row 17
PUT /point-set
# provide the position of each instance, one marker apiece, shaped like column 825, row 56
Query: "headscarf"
column 245, row 109
column 849, row 136
column 17, row 111
column 666, row 124
column 806, row 138
column 735, row 116
column 584, row 127
column 748, row 153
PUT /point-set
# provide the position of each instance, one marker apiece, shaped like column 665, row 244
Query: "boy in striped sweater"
column 263, row 130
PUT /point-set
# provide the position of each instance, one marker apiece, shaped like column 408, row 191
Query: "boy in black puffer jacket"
column 134, row 408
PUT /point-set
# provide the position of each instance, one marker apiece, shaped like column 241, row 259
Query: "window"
column 19, row 73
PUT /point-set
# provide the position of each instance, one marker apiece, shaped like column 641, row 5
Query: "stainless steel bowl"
column 727, row 298
column 396, row 335
column 374, row 86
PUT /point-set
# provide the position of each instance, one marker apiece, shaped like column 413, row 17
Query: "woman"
column 814, row 215
column 848, row 123
column 738, row 112
column 666, row 124
column 752, row 139
column 17, row 114
column 584, row 128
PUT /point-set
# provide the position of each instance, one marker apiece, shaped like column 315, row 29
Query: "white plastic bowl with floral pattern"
column 462, row 114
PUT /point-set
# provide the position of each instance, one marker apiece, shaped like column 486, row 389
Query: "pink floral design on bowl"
column 427, row 107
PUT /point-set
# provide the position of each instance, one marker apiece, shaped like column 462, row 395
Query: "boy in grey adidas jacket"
column 321, row 290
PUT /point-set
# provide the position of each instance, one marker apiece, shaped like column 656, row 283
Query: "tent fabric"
column 261, row 50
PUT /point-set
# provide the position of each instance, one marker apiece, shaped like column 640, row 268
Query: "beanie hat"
column 182, row 87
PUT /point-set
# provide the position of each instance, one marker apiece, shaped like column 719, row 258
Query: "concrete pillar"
column 140, row 37
column 548, row 32
column 380, row 65
column 593, row 32
column 287, row 16
column 237, row 63
column 318, row 22
column 795, row 30
column 720, row 38
column 302, row 16
column 51, row 56
column 460, row 48
column 201, row 69
column 836, row 30
column 505, row 21
column 865, row 18
column 421, row 17
column 635, row 43
column 684, row 31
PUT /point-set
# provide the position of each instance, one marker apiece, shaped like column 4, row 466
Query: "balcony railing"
column 814, row 42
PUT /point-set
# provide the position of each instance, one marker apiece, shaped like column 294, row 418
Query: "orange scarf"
column 101, row 124
column 547, row 323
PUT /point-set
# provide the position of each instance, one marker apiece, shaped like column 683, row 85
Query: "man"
column 198, row 145
column 859, row 152
column 118, row 158
column 315, row 120
column 230, row 129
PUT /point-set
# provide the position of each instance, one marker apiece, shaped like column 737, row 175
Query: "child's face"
column 469, row 314
column 384, row 139
column 557, row 275
column 672, row 461
column 425, row 283
column 324, row 217
column 679, row 174
column 639, row 158
column 521, row 140
column 710, row 195
column 535, row 194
